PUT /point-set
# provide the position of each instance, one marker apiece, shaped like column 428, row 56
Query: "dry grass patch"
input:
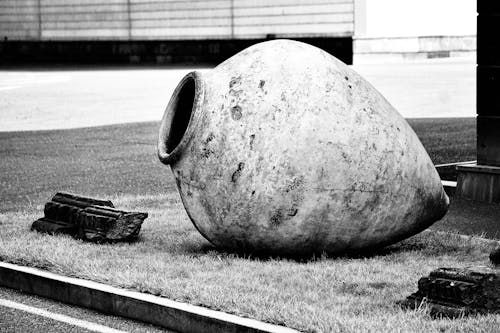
column 314, row 294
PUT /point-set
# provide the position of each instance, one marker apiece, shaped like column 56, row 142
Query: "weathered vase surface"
column 283, row 148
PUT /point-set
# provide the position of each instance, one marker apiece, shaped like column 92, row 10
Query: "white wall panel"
column 89, row 3
column 75, row 9
column 183, row 23
column 86, row 17
column 310, row 9
column 304, row 30
column 181, row 33
column 182, row 14
column 272, row 3
column 138, row 6
column 87, row 34
column 292, row 19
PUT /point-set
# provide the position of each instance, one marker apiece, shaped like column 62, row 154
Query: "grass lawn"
column 447, row 140
column 171, row 259
column 121, row 159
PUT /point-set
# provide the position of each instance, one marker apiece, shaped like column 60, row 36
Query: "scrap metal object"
column 88, row 219
column 455, row 292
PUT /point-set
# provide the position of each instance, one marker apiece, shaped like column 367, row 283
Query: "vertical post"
column 39, row 9
column 488, row 83
column 232, row 19
column 129, row 18
column 481, row 182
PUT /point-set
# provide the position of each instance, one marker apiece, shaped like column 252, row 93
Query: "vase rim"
column 176, row 127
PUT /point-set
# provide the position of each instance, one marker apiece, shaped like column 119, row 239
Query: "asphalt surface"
column 27, row 313
column 471, row 218
column 55, row 98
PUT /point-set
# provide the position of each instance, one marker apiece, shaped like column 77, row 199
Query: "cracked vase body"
column 284, row 149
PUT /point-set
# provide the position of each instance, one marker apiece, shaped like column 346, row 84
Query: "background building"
column 165, row 31
column 414, row 29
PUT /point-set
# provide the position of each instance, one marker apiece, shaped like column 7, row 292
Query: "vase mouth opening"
column 175, row 127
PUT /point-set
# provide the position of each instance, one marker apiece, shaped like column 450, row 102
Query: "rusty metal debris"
column 88, row 219
column 454, row 292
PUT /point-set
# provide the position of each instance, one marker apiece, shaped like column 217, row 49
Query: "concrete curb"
column 147, row 308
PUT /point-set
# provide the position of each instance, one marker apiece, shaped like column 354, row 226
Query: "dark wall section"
column 488, row 83
column 146, row 52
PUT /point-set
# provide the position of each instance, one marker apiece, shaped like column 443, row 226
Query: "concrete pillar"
column 482, row 181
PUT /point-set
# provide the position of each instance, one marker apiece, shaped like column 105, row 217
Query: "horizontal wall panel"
column 89, row 3
column 82, row 17
column 268, row 3
column 182, row 14
column 254, row 19
column 84, row 9
column 183, row 23
column 235, row 3
column 19, row 18
column 176, row 2
column 18, row 3
column 178, row 5
column 330, row 29
column 13, row 26
column 84, row 34
column 293, row 19
column 25, row 34
column 294, row 10
column 18, row 11
column 172, row 1
column 180, row 33
column 85, row 25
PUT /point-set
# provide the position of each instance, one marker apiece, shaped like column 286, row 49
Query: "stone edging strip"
column 147, row 308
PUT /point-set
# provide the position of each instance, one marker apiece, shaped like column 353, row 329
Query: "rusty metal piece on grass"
column 88, row 219
column 454, row 292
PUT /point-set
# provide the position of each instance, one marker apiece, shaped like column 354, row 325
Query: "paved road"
column 69, row 98
column 25, row 313
column 426, row 89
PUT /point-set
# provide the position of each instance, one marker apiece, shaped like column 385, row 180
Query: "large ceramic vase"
column 282, row 148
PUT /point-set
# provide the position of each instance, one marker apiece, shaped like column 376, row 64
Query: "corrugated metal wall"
column 173, row 19
column 19, row 19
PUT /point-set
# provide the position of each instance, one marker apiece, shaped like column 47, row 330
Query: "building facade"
column 157, row 30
